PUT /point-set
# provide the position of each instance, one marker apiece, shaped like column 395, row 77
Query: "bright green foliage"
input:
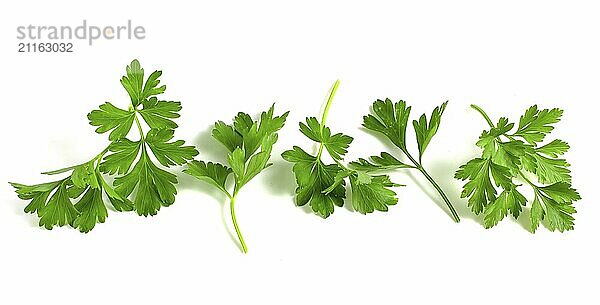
column 391, row 120
column 249, row 144
column 510, row 158
column 322, row 185
column 315, row 180
column 424, row 131
column 385, row 161
column 112, row 118
column 77, row 199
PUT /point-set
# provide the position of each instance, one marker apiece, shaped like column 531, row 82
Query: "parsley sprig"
column 250, row 144
column 510, row 157
column 391, row 120
column 322, row 185
column 150, row 186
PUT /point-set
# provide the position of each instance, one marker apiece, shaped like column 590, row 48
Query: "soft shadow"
column 348, row 199
column 187, row 182
column 443, row 173
column 280, row 177
column 523, row 219
column 31, row 219
column 209, row 148
column 390, row 147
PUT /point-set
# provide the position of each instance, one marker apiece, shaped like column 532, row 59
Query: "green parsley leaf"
column 58, row 210
column 424, row 131
column 509, row 201
column 169, row 153
column 316, row 182
column 123, row 153
column 391, row 119
column 385, row 161
column 372, row 194
column 337, row 144
column 155, row 186
column 554, row 149
column 227, row 135
column 159, row 114
column 51, row 201
column 213, row 173
column 77, row 200
column 85, row 175
column 243, row 139
column 322, row 185
column 479, row 188
column 508, row 159
column 534, row 125
column 554, row 206
column 133, row 83
column 151, row 87
column 112, row 118
column 550, row 170
column 92, row 210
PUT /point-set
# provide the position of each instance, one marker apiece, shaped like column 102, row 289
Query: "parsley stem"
column 329, row 100
column 66, row 169
column 420, row 167
column 100, row 156
column 485, row 116
column 139, row 126
column 527, row 180
column 235, row 224
column 334, row 88
column 441, row 192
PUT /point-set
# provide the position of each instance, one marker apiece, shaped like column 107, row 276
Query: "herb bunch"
column 144, row 186
column 511, row 158
column 322, row 185
column 391, row 120
column 249, row 144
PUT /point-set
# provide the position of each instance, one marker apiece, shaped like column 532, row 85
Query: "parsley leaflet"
column 391, row 120
column 508, row 158
column 250, row 144
column 149, row 186
column 322, row 185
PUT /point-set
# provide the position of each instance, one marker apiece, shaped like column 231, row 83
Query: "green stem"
column 528, row 181
column 235, row 224
column 332, row 92
column 66, row 169
column 139, row 126
column 420, row 167
column 485, row 116
column 441, row 192
column 100, row 156
column 342, row 166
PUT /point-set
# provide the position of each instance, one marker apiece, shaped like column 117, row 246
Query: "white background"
column 222, row 58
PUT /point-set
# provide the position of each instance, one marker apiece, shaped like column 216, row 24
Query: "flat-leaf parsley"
column 249, row 144
column 511, row 157
column 139, row 184
column 321, row 185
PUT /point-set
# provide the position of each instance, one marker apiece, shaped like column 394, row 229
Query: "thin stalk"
column 441, row 192
column 99, row 157
column 420, row 167
column 235, row 224
column 66, row 169
column 485, row 116
column 326, row 112
column 139, row 126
